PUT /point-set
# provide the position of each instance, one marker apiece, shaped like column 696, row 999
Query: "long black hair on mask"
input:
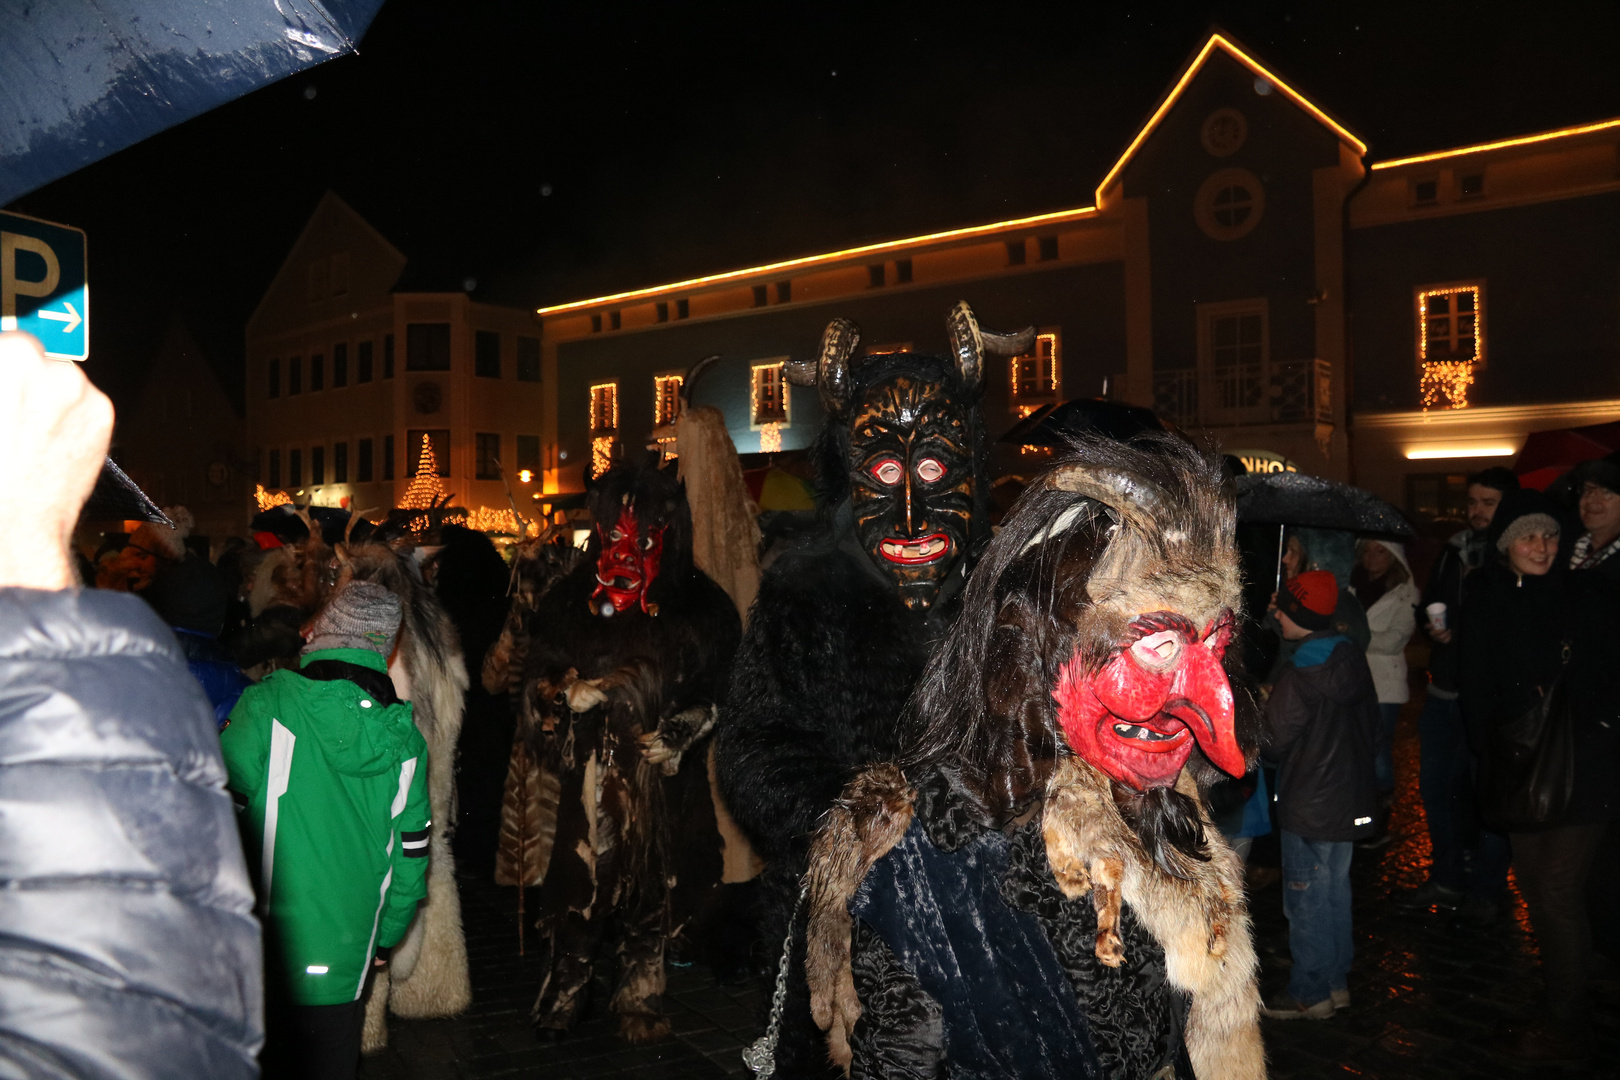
column 657, row 498
column 983, row 713
column 830, row 452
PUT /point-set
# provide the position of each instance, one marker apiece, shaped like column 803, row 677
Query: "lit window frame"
column 603, row 394
column 667, row 397
column 603, row 438
column 1444, row 381
column 755, row 423
column 1023, row 406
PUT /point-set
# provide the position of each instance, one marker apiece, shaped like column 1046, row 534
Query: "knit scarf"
column 1584, row 558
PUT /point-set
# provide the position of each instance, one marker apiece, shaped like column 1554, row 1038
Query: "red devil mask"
column 1161, row 690
column 628, row 564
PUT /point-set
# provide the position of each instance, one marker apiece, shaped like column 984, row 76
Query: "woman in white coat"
column 1382, row 581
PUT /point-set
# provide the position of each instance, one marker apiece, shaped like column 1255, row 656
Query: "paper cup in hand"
column 1437, row 615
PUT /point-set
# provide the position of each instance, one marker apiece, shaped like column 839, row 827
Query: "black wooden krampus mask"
column 905, row 442
column 642, row 534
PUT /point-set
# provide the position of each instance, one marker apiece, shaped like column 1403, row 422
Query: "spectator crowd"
column 170, row 700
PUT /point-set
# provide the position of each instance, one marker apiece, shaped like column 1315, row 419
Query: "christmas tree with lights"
column 425, row 491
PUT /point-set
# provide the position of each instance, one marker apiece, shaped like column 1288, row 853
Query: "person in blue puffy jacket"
column 130, row 948
column 191, row 596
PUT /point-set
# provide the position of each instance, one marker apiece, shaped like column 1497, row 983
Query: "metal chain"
column 760, row 1055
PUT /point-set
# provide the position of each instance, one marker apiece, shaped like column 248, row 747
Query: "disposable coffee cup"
column 1437, row 615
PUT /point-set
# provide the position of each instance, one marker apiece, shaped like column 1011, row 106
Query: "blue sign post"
column 44, row 286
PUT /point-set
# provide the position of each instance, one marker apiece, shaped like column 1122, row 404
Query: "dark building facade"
column 1245, row 268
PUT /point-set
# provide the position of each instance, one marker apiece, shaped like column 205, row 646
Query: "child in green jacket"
column 336, row 825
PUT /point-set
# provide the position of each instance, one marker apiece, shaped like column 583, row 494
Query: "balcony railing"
column 1298, row 391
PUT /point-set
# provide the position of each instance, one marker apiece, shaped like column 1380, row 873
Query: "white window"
column 1233, row 351
column 768, row 396
column 666, row 399
column 1036, row 378
column 1450, row 341
column 604, row 408
column 1451, row 322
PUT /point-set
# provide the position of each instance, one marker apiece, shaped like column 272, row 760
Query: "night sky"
column 556, row 151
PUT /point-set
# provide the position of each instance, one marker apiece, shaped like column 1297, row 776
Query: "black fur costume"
column 624, row 701
column 995, row 905
column 837, row 638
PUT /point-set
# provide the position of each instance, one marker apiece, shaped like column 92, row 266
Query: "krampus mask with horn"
column 1100, row 618
column 904, row 441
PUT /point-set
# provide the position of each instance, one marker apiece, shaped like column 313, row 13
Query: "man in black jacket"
column 1323, row 715
column 130, row 945
column 1445, row 779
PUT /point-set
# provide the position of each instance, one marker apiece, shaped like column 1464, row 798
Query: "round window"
column 1229, row 204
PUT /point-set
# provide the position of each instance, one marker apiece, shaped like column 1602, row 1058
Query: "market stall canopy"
column 1287, row 498
column 1056, row 425
column 82, row 79
column 1547, row 455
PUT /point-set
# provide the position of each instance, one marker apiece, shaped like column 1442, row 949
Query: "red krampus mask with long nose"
column 1160, row 691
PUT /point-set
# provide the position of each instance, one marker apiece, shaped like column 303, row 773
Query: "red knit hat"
column 1310, row 599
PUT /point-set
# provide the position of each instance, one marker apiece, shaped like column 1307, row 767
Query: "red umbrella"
column 1547, row 455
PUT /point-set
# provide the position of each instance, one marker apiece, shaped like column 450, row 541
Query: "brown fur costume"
column 1107, row 536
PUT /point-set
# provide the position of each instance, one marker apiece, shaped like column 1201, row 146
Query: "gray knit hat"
column 1524, row 525
column 363, row 615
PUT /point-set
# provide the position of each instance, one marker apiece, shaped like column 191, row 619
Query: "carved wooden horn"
column 970, row 342
column 830, row 374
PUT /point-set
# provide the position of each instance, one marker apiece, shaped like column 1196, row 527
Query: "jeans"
column 1316, row 899
column 1552, row 868
column 1389, row 713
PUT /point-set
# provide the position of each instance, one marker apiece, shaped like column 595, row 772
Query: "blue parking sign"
column 44, row 287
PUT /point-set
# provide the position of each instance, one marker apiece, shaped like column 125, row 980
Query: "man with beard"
column 841, row 628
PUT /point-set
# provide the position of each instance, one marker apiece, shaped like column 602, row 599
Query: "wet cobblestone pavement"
column 1424, row 996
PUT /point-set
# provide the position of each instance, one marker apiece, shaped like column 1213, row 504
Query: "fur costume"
column 627, row 658
column 529, row 805
column 1036, row 887
column 427, row 976
column 842, row 627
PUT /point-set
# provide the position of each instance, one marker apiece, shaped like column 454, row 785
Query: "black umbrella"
column 1292, row 498
column 82, row 79
column 1055, row 425
column 117, row 497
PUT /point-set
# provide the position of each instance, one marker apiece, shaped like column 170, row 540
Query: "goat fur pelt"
column 618, row 708
column 529, row 800
column 1198, row 923
column 1006, row 844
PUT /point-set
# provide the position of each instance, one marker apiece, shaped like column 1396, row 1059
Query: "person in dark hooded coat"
column 843, row 625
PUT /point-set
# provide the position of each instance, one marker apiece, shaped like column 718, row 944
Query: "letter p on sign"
column 44, row 288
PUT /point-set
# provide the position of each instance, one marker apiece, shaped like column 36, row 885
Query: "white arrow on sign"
column 70, row 316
